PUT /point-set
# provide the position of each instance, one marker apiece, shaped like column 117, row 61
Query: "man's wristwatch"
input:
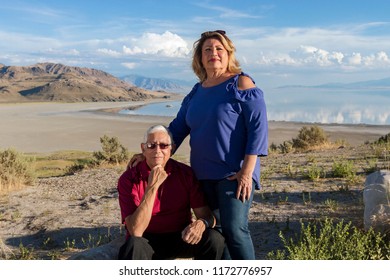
column 206, row 223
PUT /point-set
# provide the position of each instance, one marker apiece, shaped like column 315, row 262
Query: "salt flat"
column 48, row 127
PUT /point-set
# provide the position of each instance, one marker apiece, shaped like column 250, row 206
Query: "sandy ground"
column 48, row 127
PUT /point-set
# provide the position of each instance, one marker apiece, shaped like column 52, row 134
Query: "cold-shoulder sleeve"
column 255, row 114
column 178, row 127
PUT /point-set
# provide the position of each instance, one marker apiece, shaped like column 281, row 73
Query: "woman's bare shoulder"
column 245, row 82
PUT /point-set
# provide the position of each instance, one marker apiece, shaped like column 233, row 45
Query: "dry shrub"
column 113, row 152
column 383, row 139
column 309, row 137
column 16, row 170
column 5, row 252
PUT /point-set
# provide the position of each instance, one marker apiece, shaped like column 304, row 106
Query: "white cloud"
column 129, row 65
column 109, row 52
column 73, row 52
column 355, row 59
column 226, row 12
column 311, row 56
column 166, row 44
column 338, row 57
column 382, row 56
column 133, row 51
column 378, row 59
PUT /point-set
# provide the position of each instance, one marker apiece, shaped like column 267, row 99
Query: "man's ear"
column 173, row 148
column 142, row 147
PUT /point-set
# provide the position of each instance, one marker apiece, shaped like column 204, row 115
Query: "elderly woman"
column 225, row 116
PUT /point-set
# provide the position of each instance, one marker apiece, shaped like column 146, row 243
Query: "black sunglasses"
column 222, row 32
column 152, row 146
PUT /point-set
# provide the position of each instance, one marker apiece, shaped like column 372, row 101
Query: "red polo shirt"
column 176, row 196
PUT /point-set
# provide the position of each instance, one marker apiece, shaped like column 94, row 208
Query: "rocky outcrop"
column 107, row 251
column 376, row 197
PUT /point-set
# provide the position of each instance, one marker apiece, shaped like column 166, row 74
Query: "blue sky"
column 278, row 42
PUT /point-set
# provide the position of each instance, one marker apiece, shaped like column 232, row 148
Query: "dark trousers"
column 171, row 245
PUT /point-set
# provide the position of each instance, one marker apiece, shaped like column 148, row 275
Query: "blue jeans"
column 231, row 215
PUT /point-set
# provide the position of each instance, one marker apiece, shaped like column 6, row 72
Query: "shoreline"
column 49, row 127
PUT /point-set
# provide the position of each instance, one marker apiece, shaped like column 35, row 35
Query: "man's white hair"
column 158, row 127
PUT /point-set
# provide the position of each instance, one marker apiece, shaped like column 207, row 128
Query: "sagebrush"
column 113, row 152
column 16, row 170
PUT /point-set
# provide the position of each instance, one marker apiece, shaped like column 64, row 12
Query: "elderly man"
column 156, row 198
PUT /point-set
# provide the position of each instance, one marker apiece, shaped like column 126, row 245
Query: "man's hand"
column 192, row 234
column 137, row 158
column 140, row 219
column 157, row 176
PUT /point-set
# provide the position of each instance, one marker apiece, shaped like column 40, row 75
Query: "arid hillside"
column 61, row 83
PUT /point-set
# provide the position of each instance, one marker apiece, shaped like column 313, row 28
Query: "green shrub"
column 314, row 172
column 383, row 139
column 113, row 152
column 331, row 241
column 381, row 150
column 286, row 147
column 16, row 170
column 309, row 137
column 73, row 169
column 273, row 148
column 343, row 169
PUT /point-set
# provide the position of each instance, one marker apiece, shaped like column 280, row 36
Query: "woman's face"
column 214, row 55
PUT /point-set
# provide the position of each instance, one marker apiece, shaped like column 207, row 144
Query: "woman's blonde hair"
column 197, row 66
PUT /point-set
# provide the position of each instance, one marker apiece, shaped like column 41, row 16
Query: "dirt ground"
column 60, row 216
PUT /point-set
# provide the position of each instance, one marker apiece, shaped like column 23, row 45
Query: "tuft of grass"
column 69, row 244
column 331, row 204
column 343, row 169
column 306, row 200
column 314, row 172
column 25, row 253
column 95, row 241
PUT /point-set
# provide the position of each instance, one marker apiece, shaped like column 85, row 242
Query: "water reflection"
column 308, row 105
column 329, row 106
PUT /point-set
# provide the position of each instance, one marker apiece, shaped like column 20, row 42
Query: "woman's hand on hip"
column 244, row 188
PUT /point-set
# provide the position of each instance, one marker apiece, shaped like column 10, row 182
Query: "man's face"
column 157, row 149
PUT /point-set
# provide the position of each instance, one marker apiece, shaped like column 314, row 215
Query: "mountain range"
column 158, row 84
column 58, row 82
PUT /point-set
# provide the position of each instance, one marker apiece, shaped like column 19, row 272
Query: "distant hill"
column 157, row 84
column 57, row 82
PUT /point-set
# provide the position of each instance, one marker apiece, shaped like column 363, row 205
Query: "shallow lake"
column 344, row 106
